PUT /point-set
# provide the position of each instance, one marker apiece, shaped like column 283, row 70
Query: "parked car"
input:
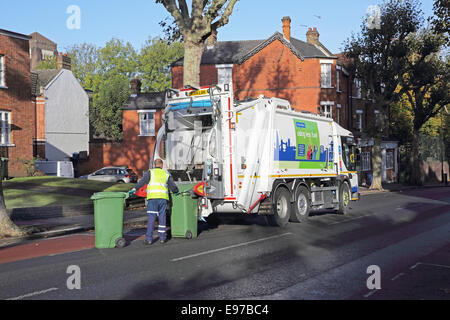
column 113, row 174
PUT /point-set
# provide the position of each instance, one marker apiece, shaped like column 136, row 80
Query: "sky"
column 136, row 21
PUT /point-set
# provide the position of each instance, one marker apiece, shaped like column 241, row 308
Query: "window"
column 326, row 109
column 338, row 84
column 389, row 159
column 358, row 88
column 338, row 111
column 5, row 128
column 147, row 123
column 359, row 120
column 2, row 71
column 365, row 157
column 325, row 75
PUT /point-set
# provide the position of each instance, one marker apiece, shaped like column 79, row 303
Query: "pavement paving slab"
column 47, row 247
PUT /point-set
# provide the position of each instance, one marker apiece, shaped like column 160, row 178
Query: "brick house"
column 17, row 125
column 302, row 72
column 41, row 48
column 141, row 119
column 356, row 111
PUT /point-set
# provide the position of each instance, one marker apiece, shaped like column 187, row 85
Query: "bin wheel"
column 120, row 243
column 188, row 235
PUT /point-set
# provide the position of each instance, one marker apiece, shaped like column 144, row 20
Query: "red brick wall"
column 208, row 75
column 17, row 99
column 276, row 72
column 134, row 151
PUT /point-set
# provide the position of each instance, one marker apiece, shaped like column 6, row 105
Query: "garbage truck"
column 256, row 156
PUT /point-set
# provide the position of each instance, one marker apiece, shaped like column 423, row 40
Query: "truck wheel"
column 281, row 208
column 301, row 205
column 344, row 198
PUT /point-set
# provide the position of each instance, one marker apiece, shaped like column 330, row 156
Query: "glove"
column 177, row 193
column 131, row 192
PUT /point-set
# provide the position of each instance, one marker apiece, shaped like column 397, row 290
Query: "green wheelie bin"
column 184, row 220
column 108, row 219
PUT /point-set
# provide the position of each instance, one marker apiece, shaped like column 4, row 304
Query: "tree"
column 106, row 111
column 85, row 65
column 107, row 71
column 117, row 58
column 377, row 57
column 154, row 62
column 426, row 84
column 441, row 19
column 46, row 64
column 206, row 17
column 7, row 227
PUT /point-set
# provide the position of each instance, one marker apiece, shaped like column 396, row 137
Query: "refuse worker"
column 158, row 183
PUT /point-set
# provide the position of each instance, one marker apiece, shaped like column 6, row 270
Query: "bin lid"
column 107, row 195
column 185, row 187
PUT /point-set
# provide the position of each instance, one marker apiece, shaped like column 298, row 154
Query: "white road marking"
column 33, row 294
column 430, row 264
column 397, row 276
column 229, row 247
column 370, row 293
column 414, row 266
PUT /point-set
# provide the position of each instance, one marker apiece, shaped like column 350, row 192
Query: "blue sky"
column 137, row 20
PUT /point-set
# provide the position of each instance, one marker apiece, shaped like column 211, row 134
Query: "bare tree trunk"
column 7, row 227
column 415, row 177
column 193, row 52
column 376, row 165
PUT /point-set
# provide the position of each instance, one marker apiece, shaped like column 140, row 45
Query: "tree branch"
column 225, row 16
column 172, row 8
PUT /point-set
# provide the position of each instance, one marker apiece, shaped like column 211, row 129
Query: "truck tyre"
column 282, row 208
column 344, row 198
column 302, row 204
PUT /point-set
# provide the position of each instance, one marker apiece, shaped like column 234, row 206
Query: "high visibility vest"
column 157, row 187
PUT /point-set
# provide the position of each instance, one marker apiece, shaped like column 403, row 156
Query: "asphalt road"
column 406, row 235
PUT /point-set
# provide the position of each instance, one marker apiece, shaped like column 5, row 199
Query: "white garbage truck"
column 256, row 156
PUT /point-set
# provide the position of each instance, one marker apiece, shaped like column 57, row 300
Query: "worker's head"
column 158, row 163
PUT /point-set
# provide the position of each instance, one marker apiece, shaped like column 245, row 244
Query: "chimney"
column 286, row 28
column 212, row 40
column 64, row 61
column 135, row 86
column 312, row 36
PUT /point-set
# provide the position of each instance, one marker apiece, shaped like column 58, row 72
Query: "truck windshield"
column 348, row 153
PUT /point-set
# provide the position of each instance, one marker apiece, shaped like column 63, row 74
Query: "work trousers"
column 156, row 208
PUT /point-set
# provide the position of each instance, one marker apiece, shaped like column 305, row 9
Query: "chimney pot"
column 64, row 61
column 135, row 85
column 312, row 36
column 286, row 28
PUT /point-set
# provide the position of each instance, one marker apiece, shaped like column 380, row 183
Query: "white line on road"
column 429, row 264
column 397, row 276
column 33, row 294
column 230, row 247
column 370, row 293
